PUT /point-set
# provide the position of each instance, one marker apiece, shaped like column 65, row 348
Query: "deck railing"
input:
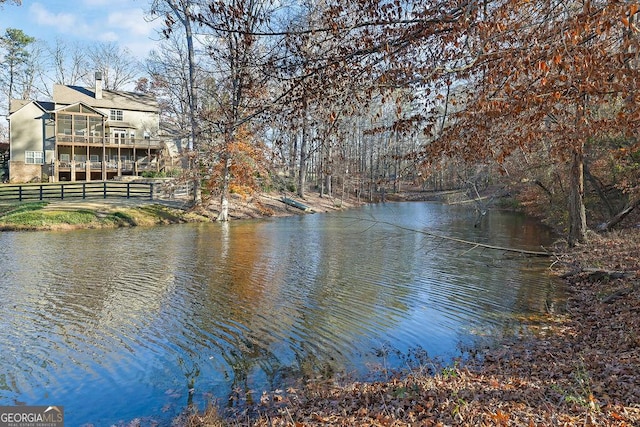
column 110, row 141
column 77, row 190
column 125, row 165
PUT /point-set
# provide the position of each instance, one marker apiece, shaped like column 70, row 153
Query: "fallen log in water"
column 296, row 204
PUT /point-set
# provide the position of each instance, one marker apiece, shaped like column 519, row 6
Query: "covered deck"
column 89, row 147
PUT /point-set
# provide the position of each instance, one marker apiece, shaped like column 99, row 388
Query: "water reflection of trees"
column 246, row 305
column 279, row 306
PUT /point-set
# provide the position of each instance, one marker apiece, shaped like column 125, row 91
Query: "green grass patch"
column 161, row 212
column 21, row 207
column 32, row 216
column 40, row 218
column 120, row 217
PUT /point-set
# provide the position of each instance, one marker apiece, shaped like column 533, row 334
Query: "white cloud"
column 132, row 21
column 108, row 36
column 95, row 20
column 102, row 3
column 62, row 22
column 133, row 30
column 140, row 49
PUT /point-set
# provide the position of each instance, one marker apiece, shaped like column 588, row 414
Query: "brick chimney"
column 98, row 85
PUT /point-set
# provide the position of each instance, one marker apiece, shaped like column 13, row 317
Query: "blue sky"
column 120, row 21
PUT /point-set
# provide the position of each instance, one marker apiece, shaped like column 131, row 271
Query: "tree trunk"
column 302, row 173
column 327, row 169
column 327, row 185
column 181, row 11
column 599, row 189
column 197, row 190
column 224, row 196
column 293, row 157
column 577, row 215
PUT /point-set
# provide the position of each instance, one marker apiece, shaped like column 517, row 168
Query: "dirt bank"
column 266, row 205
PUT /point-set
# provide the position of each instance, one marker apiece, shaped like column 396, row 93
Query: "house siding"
column 141, row 121
column 26, row 134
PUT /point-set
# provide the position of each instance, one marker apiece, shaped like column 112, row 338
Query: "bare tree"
column 182, row 10
column 68, row 61
column 240, row 90
column 30, row 84
column 116, row 64
column 168, row 69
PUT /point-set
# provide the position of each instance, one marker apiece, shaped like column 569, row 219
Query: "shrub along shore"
column 577, row 366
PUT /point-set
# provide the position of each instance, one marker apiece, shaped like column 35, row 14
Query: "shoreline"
column 115, row 213
column 573, row 367
column 77, row 214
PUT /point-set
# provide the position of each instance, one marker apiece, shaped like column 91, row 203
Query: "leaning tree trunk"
column 577, row 214
column 617, row 218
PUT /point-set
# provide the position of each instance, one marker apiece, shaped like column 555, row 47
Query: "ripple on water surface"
column 120, row 324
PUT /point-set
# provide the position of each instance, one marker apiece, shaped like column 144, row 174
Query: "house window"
column 33, row 157
column 116, row 115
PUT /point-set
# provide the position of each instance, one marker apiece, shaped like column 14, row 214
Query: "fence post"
column 128, row 189
column 20, row 193
column 61, row 191
column 84, row 190
column 151, row 191
column 104, row 190
column 40, row 191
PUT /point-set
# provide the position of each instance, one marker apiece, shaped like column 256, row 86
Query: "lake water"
column 131, row 323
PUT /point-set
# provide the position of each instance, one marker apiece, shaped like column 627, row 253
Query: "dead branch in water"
column 455, row 239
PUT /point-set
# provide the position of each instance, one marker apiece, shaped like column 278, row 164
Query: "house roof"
column 65, row 95
column 120, row 124
column 46, row 105
column 17, row 104
column 77, row 105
